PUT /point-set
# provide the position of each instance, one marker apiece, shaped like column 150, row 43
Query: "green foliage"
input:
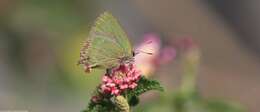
column 133, row 101
column 102, row 106
column 145, row 85
column 97, row 108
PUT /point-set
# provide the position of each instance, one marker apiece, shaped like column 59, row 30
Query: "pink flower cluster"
column 120, row 79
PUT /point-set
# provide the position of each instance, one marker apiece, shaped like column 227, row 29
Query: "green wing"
column 109, row 25
column 106, row 43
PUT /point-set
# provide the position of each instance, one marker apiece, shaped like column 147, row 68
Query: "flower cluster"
column 120, row 79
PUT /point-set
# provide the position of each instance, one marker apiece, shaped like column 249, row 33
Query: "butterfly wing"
column 106, row 43
column 109, row 25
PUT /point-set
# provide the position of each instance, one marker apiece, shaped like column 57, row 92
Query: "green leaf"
column 145, row 85
column 133, row 101
column 97, row 108
column 101, row 106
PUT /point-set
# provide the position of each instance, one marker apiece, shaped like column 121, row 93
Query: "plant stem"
column 190, row 70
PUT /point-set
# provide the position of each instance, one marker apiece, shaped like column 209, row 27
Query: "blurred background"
column 40, row 42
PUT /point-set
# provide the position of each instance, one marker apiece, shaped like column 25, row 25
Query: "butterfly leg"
column 109, row 72
column 87, row 68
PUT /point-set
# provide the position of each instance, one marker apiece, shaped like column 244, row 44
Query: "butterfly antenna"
column 149, row 42
column 140, row 51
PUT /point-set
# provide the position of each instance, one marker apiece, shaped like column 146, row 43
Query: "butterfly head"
column 126, row 60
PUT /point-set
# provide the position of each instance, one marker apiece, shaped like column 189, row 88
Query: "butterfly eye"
column 134, row 53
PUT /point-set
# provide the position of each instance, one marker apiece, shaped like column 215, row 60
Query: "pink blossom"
column 110, row 84
column 124, row 86
column 106, row 79
column 96, row 99
column 166, row 55
column 117, row 81
column 115, row 91
column 122, row 78
column 133, row 85
column 105, row 89
column 154, row 54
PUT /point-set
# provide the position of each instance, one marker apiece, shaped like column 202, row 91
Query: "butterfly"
column 106, row 46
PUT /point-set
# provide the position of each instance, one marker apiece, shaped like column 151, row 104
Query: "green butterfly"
column 106, row 46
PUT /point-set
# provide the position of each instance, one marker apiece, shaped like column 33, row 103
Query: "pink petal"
column 133, row 85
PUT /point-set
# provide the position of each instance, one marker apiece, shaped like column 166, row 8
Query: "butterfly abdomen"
column 83, row 52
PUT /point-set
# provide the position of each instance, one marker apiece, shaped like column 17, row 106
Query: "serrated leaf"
column 103, row 105
column 145, row 85
column 133, row 101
